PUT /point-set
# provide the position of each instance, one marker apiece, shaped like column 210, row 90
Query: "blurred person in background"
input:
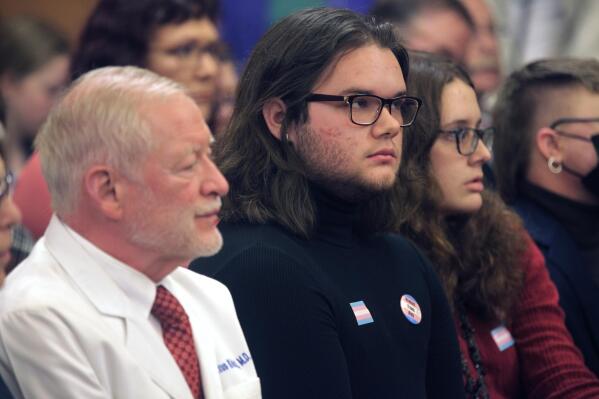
column 21, row 242
column 177, row 39
column 482, row 54
column 9, row 214
column 437, row 26
column 9, row 217
column 461, row 30
column 225, row 98
column 34, row 64
column 536, row 29
column 546, row 163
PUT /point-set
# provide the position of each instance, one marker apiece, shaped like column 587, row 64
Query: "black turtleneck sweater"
column 294, row 301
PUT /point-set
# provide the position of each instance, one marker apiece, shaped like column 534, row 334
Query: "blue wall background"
column 244, row 22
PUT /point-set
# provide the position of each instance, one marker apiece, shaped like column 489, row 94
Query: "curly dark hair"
column 478, row 257
column 117, row 31
column 267, row 178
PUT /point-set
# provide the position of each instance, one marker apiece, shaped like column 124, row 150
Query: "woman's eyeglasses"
column 467, row 138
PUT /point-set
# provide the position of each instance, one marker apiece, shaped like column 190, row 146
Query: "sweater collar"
column 581, row 220
column 337, row 220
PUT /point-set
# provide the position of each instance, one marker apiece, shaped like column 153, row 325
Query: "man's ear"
column 105, row 189
column 547, row 143
column 274, row 114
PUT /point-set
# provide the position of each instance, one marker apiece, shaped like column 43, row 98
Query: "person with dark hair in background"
column 174, row 38
column 177, row 39
column 225, row 97
column 438, row 26
column 104, row 306
column 513, row 339
column 546, row 162
column 9, row 214
column 332, row 305
column 34, row 63
column 482, row 53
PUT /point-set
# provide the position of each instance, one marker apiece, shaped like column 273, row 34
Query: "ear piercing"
column 554, row 165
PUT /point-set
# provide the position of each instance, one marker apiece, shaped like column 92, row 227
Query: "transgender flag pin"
column 361, row 312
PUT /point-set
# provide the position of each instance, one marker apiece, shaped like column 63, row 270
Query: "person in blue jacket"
column 545, row 160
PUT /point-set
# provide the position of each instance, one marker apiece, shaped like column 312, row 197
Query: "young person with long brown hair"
column 511, row 330
column 333, row 305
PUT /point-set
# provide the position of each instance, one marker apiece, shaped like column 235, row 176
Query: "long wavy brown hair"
column 478, row 256
column 266, row 175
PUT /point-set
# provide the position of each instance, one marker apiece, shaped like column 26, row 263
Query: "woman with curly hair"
column 511, row 330
column 174, row 38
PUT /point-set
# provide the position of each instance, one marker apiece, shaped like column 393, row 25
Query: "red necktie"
column 178, row 337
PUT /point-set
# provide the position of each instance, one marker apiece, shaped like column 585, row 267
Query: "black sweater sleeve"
column 289, row 325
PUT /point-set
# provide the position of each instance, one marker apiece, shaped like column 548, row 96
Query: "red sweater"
column 543, row 363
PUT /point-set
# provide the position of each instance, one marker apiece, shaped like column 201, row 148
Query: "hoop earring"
column 554, row 165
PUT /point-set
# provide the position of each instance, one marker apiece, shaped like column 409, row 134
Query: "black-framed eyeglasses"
column 365, row 109
column 563, row 121
column 467, row 138
column 6, row 183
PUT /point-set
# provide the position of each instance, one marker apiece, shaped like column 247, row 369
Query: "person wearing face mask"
column 513, row 339
column 546, row 154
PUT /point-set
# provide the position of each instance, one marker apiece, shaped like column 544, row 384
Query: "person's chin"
column 486, row 81
column 473, row 203
column 209, row 244
column 368, row 188
column 464, row 205
column 381, row 181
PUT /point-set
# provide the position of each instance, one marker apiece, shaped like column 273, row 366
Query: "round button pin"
column 411, row 309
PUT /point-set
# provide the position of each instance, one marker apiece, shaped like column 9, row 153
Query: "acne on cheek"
column 332, row 132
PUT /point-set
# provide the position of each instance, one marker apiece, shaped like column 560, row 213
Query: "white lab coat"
column 67, row 330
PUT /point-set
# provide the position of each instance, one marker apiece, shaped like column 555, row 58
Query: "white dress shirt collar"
column 135, row 285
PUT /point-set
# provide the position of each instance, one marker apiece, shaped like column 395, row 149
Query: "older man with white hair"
column 101, row 308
